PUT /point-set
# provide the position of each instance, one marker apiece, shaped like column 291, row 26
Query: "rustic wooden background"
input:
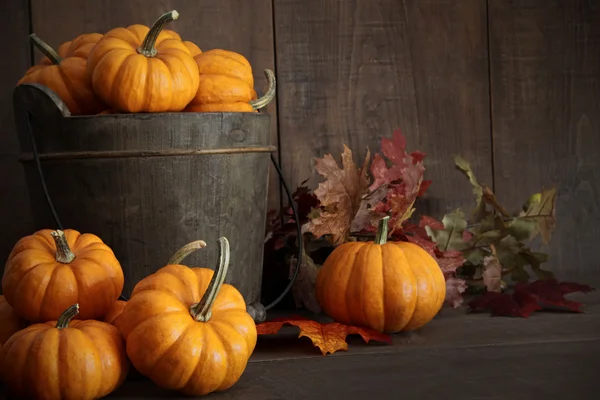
column 512, row 85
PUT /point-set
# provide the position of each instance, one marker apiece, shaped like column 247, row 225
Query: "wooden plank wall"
column 513, row 86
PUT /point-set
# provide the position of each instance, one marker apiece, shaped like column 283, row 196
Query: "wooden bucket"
column 147, row 184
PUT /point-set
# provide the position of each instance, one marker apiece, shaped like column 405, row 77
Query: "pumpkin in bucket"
column 227, row 84
column 50, row 270
column 66, row 76
column 187, row 330
column 64, row 359
column 78, row 47
column 141, row 69
column 386, row 286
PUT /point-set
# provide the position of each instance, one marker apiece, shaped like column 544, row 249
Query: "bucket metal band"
column 78, row 155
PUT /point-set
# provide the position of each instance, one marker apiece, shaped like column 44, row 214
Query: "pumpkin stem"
column 147, row 48
column 382, row 230
column 266, row 99
column 45, row 48
column 67, row 316
column 64, row 254
column 185, row 251
column 202, row 311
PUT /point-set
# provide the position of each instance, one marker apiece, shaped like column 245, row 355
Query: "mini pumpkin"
column 66, row 76
column 386, row 286
column 10, row 322
column 227, row 84
column 141, row 69
column 78, row 47
column 114, row 312
column 185, row 329
column 64, row 359
column 49, row 270
column 192, row 47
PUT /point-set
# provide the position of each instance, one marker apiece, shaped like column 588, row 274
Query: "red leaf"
column 530, row 297
column 329, row 337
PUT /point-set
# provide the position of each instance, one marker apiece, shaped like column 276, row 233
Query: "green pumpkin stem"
column 185, row 251
column 266, row 99
column 202, row 311
column 67, row 316
column 382, row 231
column 147, row 48
column 45, row 48
column 64, row 255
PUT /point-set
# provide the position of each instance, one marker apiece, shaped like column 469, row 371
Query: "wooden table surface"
column 551, row 355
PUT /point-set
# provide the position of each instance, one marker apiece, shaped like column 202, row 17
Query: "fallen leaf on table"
column 340, row 196
column 529, row 297
column 329, row 337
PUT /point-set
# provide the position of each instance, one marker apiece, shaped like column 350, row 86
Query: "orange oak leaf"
column 340, row 196
column 328, row 337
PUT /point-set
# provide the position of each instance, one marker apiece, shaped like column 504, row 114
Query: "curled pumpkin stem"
column 66, row 317
column 202, row 311
column 382, row 231
column 64, row 254
column 45, row 48
column 186, row 250
column 266, row 99
column 147, row 48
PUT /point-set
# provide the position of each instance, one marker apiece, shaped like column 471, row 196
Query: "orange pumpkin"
column 114, row 312
column 66, row 76
column 137, row 69
column 385, row 286
column 64, row 359
column 78, row 47
column 10, row 322
column 227, row 84
column 49, row 270
column 192, row 47
column 185, row 329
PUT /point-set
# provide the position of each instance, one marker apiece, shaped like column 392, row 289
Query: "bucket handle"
column 38, row 165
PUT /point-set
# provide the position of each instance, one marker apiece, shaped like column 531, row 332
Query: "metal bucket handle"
column 259, row 318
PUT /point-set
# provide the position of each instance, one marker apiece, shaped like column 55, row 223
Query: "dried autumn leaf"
column 340, row 196
column 543, row 212
column 404, row 180
column 465, row 167
column 529, row 297
column 455, row 287
column 303, row 289
column 329, row 337
column 366, row 218
column 451, row 237
column 492, row 272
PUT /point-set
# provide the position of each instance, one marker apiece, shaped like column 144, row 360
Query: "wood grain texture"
column 145, row 208
column 238, row 25
column 14, row 209
column 545, row 80
column 354, row 71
